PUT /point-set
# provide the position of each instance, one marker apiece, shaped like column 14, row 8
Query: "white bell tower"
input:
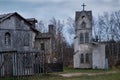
column 83, row 39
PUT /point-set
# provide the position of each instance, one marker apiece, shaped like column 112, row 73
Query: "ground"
column 86, row 74
column 75, row 74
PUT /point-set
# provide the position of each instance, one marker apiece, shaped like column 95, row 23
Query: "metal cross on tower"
column 83, row 6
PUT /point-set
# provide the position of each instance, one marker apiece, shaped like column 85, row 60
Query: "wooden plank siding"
column 16, row 63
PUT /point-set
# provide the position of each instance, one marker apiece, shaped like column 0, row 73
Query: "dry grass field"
column 111, row 74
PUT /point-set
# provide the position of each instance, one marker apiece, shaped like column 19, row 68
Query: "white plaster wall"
column 82, row 48
column 98, row 57
column 76, row 60
column 76, row 44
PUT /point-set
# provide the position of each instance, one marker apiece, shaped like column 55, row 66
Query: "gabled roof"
column 31, row 20
column 6, row 16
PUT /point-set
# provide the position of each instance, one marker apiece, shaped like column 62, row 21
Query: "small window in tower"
column 83, row 17
column 81, row 38
column 87, row 58
column 83, row 25
column 86, row 37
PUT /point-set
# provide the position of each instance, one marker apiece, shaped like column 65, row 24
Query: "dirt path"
column 86, row 74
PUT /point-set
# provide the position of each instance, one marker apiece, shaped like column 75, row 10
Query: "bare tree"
column 59, row 39
column 41, row 27
column 108, row 26
column 71, row 25
column 116, row 22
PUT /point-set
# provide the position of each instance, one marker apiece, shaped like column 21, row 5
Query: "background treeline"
column 106, row 27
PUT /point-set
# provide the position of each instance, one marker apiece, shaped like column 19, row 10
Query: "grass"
column 55, row 76
column 68, row 70
column 73, row 70
column 115, row 76
column 14, row 78
column 50, row 76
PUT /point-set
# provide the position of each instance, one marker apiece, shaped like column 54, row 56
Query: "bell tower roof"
column 82, row 13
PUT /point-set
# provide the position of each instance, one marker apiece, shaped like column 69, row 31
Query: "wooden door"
column 8, row 64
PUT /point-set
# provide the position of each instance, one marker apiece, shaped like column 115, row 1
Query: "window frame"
column 87, row 58
column 86, row 37
column 7, row 39
column 81, row 38
column 26, row 39
column 82, row 58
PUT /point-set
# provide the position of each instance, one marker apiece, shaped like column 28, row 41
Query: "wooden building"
column 22, row 47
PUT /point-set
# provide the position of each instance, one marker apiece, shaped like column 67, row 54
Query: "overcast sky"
column 60, row 9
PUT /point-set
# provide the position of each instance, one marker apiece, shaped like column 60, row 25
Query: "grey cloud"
column 63, row 8
column 35, row 1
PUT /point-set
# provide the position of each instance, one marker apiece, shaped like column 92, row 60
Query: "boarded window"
column 27, row 61
column 7, row 39
column 81, row 58
column 87, row 58
column 81, row 38
column 26, row 39
column 42, row 46
column 86, row 37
